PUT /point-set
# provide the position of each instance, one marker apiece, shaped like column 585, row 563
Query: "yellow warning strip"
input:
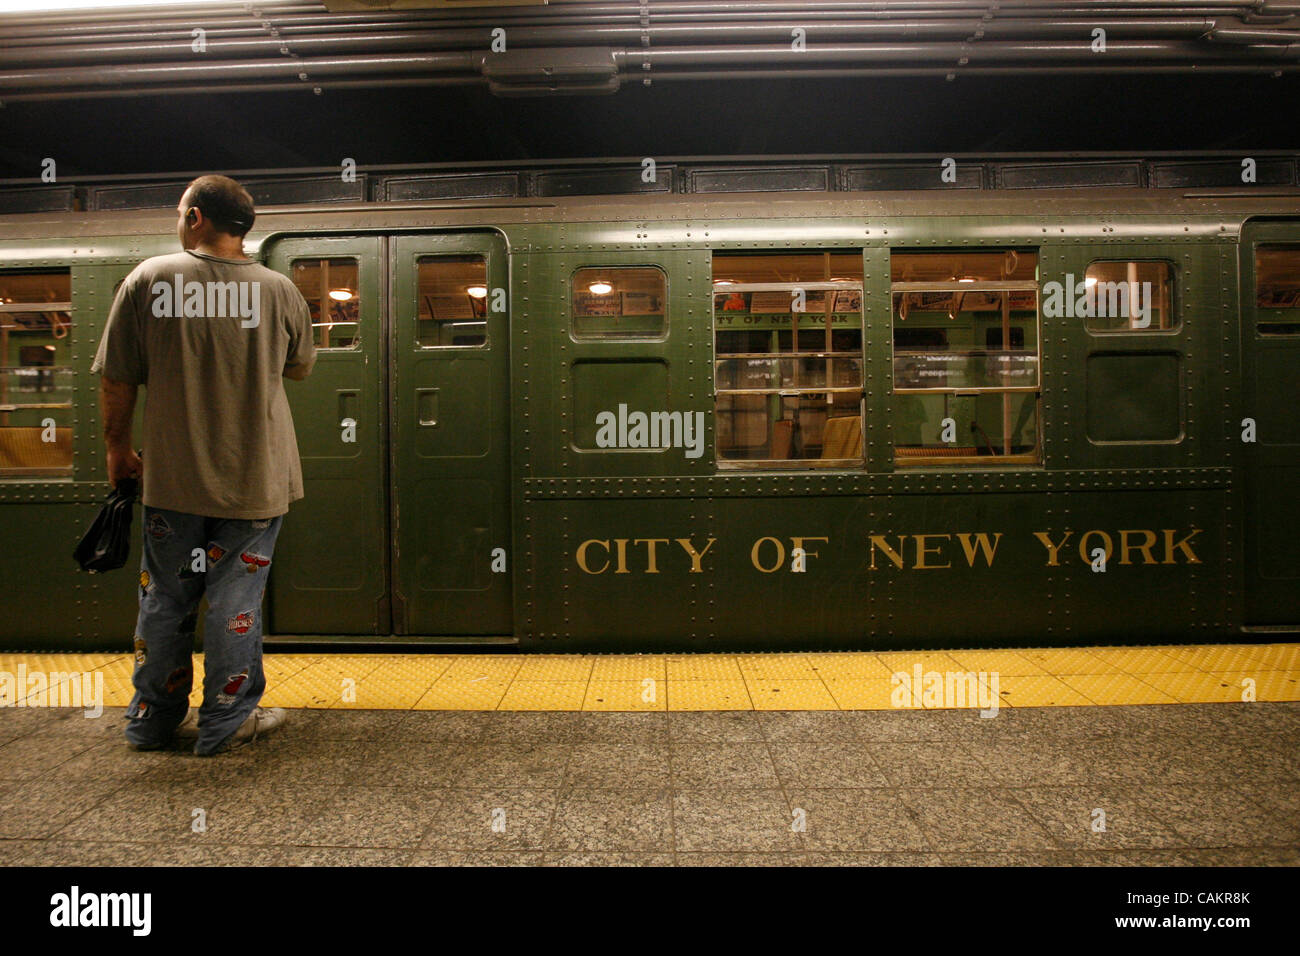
column 1041, row 677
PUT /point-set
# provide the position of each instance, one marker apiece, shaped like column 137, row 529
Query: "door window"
column 453, row 300
column 331, row 289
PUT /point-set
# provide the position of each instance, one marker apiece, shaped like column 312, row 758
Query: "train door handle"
column 348, row 400
column 426, row 407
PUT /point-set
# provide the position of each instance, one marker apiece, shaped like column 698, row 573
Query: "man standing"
column 209, row 333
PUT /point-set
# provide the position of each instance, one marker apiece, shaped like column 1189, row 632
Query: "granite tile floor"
column 1208, row 784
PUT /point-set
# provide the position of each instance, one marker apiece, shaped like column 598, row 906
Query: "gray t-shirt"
column 210, row 339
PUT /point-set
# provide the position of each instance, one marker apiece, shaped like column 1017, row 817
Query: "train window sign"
column 619, row 303
column 965, row 358
column 1125, row 296
column 1277, row 289
column 788, row 357
column 452, row 307
column 330, row 287
column 36, row 378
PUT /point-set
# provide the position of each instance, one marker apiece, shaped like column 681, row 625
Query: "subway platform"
column 1155, row 756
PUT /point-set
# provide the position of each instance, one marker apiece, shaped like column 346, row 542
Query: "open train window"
column 35, row 374
column 1123, row 296
column 331, row 290
column 1277, row 290
column 619, row 303
column 787, row 330
column 965, row 357
column 453, row 299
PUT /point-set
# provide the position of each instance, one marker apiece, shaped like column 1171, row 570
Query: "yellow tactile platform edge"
column 1041, row 677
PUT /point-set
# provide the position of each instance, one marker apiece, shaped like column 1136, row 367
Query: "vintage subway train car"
column 667, row 422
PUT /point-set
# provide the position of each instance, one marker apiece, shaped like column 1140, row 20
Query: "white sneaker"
column 262, row 721
column 188, row 729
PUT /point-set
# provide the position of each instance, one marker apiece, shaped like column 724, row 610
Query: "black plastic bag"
column 108, row 542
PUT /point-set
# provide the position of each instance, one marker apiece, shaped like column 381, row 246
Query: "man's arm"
column 302, row 340
column 122, row 367
column 116, row 407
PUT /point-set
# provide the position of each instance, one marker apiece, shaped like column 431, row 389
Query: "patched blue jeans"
column 186, row 556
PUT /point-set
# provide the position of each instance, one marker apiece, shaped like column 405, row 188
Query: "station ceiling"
column 282, row 84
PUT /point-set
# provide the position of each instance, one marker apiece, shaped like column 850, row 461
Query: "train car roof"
column 1233, row 205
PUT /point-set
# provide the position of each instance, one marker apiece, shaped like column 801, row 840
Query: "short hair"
column 223, row 201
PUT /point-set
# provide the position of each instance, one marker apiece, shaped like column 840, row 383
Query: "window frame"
column 416, row 315
column 68, row 368
column 1273, row 322
column 1175, row 302
column 1035, row 457
column 777, row 464
column 360, row 322
column 617, row 339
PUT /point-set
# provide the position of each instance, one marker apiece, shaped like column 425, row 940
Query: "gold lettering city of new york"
column 922, row 552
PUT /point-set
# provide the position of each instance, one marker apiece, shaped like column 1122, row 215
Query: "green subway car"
column 743, row 422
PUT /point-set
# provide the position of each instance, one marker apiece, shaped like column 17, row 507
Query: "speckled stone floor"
column 1208, row 784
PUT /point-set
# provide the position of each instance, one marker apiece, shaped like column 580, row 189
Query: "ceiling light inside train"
column 340, row 295
column 477, row 291
column 600, row 288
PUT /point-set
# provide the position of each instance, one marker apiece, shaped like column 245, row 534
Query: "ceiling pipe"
column 297, row 14
column 220, row 46
column 661, row 16
column 309, row 49
column 1251, row 37
column 944, row 52
column 950, row 53
column 628, row 29
column 340, row 75
column 761, row 74
column 169, row 73
column 659, row 36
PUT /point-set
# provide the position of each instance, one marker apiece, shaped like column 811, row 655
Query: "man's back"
column 209, row 333
column 211, row 339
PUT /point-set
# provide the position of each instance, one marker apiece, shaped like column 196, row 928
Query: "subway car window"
column 35, row 374
column 1126, row 296
column 788, row 359
column 965, row 362
column 452, row 311
column 1277, row 290
column 331, row 290
column 622, row 303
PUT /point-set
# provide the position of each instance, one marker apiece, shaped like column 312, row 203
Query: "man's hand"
column 123, row 463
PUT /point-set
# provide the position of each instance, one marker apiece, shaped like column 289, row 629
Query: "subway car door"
column 1270, row 335
column 450, row 464
column 330, row 566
